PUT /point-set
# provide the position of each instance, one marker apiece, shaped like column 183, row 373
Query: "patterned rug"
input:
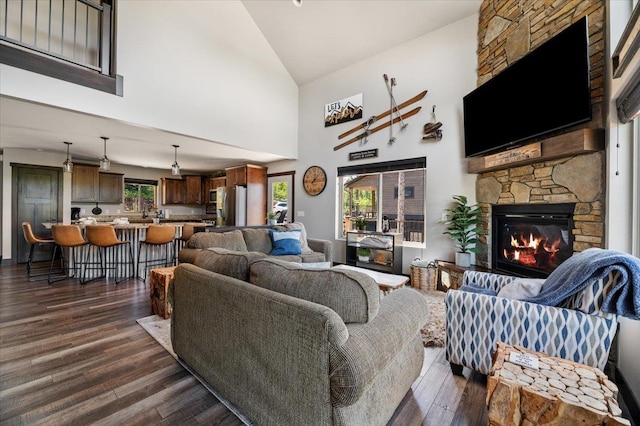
column 433, row 331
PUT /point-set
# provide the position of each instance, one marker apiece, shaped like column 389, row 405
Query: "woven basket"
column 423, row 275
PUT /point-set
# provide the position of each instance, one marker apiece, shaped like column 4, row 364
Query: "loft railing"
column 75, row 31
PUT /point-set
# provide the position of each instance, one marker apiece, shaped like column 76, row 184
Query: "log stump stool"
column 159, row 291
column 558, row 391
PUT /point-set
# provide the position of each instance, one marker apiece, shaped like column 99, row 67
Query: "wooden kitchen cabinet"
column 193, row 188
column 236, row 175
column 255, row 179
column 219, row 182
column 84, row 183
column 111, row 187
column 173, row 191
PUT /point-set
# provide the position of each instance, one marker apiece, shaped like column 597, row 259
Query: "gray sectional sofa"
column 258, row 240
column 289, row 345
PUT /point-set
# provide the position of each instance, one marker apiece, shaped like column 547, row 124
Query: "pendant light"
column 105, row 164
column 67, row 166
column 175, row 167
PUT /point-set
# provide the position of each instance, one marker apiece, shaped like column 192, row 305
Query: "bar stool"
column 67, row 237
column 105, row 239
column 188, row 230
column 34, row 240
column 157, row 237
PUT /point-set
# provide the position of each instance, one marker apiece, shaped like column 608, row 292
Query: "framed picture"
column 343, row 110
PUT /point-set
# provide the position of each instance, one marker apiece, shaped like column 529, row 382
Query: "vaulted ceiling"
column 318, row 38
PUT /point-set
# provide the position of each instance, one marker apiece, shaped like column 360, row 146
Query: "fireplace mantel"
column 580, row 141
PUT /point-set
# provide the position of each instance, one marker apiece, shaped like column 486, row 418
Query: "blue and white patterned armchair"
column 577, row 331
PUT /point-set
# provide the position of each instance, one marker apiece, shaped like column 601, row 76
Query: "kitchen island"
column 132, row 232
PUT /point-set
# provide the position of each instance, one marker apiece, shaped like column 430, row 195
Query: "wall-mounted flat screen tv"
column 548, row 89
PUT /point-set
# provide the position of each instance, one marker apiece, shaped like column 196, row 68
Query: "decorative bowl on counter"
column 87, row 221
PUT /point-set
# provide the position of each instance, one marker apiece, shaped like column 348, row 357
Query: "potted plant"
column 360, row 223
column 364, row 254
column 463, row 225
column 271, row 218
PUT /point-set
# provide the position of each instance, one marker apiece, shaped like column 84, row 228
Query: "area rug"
column 160, row 329
column 433, row 331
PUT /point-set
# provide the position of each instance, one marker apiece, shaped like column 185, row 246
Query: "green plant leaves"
column 463, row 224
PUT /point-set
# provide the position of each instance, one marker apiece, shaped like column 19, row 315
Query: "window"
column 372, row 191
column 139, row 195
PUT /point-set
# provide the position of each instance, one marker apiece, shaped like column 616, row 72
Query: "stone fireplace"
column 577, row 181
column 561, row 175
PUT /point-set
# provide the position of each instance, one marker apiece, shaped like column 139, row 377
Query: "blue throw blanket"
column 577, row 272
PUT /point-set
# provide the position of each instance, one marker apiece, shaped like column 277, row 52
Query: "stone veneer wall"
column 508, row 30
column 578, row 179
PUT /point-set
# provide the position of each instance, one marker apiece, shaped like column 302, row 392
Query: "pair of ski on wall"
column 367, row 124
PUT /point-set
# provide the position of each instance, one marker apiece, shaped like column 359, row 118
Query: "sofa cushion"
column 232, row 240
column 233, row 264
column 285, row 242
column 351, row 294
column 297, row 226
column 257, row 240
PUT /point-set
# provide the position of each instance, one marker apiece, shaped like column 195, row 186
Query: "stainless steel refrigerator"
column 232, row 206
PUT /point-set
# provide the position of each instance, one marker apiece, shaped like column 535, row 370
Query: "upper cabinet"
column 236, row 175
column 173, row 191
column 84, row 183
column 89, row 185
column 193, row 187
column 111, row 187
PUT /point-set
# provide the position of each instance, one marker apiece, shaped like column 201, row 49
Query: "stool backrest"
column 67, row 235
column 160, row 234
column 29, row 236
column 101, row 235
column 187, row 231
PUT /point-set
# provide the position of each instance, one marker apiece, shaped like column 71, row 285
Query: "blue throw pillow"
column 285, row 242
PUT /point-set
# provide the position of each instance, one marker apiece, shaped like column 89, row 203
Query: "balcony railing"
column 73, row 31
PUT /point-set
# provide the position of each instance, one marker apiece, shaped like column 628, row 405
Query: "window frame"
column 380, row 169
column 139, row 183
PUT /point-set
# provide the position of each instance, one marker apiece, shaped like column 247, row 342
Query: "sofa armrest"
column 476, row 322
column 486, row 279
column 322, row 246
column 373, row 345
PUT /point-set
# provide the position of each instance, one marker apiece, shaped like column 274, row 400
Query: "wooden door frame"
column 16, row 228
column 291, row 173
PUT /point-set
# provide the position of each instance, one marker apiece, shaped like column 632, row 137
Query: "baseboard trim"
column 628, row 397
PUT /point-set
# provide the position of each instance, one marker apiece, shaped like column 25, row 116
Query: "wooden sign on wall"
column 513, row 155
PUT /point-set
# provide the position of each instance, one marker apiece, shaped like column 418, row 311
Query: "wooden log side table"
column 159, row 291
column 558, row 391
column 450, row 274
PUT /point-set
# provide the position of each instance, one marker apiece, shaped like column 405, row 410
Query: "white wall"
column 620, row 187
column 443, row 62
column 198, row 68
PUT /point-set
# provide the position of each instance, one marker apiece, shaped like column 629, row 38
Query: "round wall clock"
column 314, row 180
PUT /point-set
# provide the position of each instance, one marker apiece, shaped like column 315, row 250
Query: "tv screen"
column 546, row 90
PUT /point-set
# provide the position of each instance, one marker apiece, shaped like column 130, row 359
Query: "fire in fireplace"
column 531, row 240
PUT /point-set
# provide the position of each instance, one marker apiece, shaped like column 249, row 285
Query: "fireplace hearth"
column 531, row 240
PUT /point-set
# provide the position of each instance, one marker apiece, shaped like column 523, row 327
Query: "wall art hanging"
column 344, row 110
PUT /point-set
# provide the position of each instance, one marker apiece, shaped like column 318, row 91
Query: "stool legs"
column 35, row 273
column 69, row 266
column 109, row 257
column 168, row 259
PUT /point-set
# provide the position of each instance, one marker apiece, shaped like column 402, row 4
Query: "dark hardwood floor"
column 73, row 354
